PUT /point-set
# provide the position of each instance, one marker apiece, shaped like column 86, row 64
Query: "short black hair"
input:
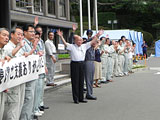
column 107, row 39
column 38, row 26
column 26, row 27
column 50, row 32
column 123, row 37
column 101, row 38
column 37, row 33
column 14, row 30
column 119, row 40
column 89, row 32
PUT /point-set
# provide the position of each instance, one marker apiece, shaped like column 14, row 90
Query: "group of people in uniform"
column 25, row 101
column 93, row 60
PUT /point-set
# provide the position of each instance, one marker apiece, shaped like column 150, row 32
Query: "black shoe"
column 91, row 98
column 45, row 107
column 83, row 101
column 76, row 102
column 84, row 89
column 41, row 108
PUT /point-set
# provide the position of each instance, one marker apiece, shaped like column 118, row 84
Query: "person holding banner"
column 4, row 38
column 29, row 48
column 41, row 46
column 15, row 95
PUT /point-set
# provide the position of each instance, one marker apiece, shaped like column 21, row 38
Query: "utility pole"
column 89, row 16
column 81, row 19
column 96, row 16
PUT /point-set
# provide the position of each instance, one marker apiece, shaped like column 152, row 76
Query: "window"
column 38, row 5
column 62, row 8
column 23, row 4
column 51, row 7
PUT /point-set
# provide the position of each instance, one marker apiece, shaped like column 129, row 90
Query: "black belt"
column 77, row 61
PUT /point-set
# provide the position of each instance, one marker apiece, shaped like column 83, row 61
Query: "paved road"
column 134, row 97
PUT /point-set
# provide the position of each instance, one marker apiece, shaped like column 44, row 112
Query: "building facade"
column 52, row 14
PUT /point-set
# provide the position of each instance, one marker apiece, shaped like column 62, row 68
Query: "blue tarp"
column 137, row 42
column 132, row 34
column 157, row 48
column 140, row 39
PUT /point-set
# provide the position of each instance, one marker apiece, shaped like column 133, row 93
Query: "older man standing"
column 15, row 95
column 4, row 37
column 77, row 52
column 50, row 59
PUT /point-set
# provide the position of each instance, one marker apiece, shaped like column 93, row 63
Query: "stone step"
column 61, row 76
column 59, row 83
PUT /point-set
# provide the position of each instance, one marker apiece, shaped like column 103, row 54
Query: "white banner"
column 20, row 70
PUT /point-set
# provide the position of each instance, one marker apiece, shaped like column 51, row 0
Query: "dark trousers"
column 89, row 76
column 77, row 80
column 145, row 53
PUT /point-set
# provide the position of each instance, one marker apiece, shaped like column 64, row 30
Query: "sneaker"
column 41, row 112
column 38, row 114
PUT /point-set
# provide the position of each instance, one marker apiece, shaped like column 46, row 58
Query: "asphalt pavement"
column 133, row 97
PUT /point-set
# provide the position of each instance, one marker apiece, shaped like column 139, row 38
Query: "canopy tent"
column 140, row 39
column 112, row 34
column 157, row 48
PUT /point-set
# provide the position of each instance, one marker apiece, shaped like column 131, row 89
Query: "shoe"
column 110, row 80
column 84, row 89
column 91, row 98
column 51, row 84
column 41, row 109
column 41, row 112
column 103, row 81
column 83, row 101
column 44, row 107
column 76, row 102
column 38, row 114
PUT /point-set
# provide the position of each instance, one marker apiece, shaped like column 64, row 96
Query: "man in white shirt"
column 50, row 59
column 77, row 52
column 4, row 38
column 15, row 95
column 121, row 58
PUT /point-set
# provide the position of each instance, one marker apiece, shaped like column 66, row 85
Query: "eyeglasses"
column 32, row 31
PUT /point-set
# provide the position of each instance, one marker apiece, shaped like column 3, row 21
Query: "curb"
column 140, row 69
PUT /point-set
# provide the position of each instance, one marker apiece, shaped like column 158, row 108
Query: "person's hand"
column 54, row 60
column 21, row 43
column 36, row 21
column 6, row 90
column 100, row 32
column 106, row 51
column 35, row 44
column 74, row 27
column 26, row 54
column 2, row 61
column 60, row 33
column 102, row 52
column 40, row 53
column 46, row 70
column 7, row 58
